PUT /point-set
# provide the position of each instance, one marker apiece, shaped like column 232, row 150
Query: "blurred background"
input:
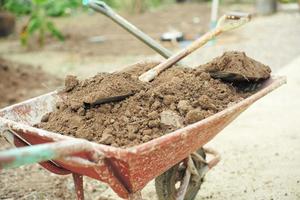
column 42, row 41
column 65, row 37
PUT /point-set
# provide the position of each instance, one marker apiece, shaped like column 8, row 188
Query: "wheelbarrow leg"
column 78, row 182
column 136, row 196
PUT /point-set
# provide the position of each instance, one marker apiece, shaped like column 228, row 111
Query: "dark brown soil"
column 235, row 62
column 111, row 85
column 19, row 82
column 177, row 97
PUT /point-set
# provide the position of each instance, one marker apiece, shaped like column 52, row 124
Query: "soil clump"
column 176, row 98
column 235, row 62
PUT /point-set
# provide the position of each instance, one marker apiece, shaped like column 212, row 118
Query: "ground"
column 260, row 151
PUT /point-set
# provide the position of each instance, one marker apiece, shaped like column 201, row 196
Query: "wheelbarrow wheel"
column 166, row 184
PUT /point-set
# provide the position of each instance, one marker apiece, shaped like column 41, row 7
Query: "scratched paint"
column 19, row 157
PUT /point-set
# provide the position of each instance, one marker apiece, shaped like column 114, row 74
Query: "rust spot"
column 22, row 109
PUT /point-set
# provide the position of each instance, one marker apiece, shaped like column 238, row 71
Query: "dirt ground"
column 192, row 19
column 118, row 49
column 19, row 81
column 256, row 164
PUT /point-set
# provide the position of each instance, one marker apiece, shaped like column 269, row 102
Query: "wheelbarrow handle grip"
column 225, row 23
column 38, row 153
column 103, row 8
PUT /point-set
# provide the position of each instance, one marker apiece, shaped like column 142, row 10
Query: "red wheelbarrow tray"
column 125, row 170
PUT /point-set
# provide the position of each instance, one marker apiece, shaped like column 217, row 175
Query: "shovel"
column 103, row 8
column 225, row 23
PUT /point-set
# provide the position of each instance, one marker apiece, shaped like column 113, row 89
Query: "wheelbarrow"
column 125, row 170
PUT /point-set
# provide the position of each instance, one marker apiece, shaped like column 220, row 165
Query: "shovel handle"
column 103, row 8
column 225, row 23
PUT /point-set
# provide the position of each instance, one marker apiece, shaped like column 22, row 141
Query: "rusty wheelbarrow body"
column 125, row 170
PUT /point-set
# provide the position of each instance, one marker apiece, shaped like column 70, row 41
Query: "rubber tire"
column 165, row 183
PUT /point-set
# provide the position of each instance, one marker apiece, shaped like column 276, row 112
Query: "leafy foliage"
column 39, row 24
column 61, row 7
column 52, row 7
column 18, row 7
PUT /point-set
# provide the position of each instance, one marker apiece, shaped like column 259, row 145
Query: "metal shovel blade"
column 106, row 100
column 234, row 77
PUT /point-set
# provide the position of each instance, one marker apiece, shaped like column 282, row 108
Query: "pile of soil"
column 19, row 82
column 236, row 62
column 176, row 98
column 111, row 85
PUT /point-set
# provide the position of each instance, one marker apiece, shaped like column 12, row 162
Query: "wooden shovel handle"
column 152, row 73
column 222, row 26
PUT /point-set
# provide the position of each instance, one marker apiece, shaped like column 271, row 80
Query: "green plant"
column 53, row 7
column 61, row 7
column 39, row 24
column 18, row 7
